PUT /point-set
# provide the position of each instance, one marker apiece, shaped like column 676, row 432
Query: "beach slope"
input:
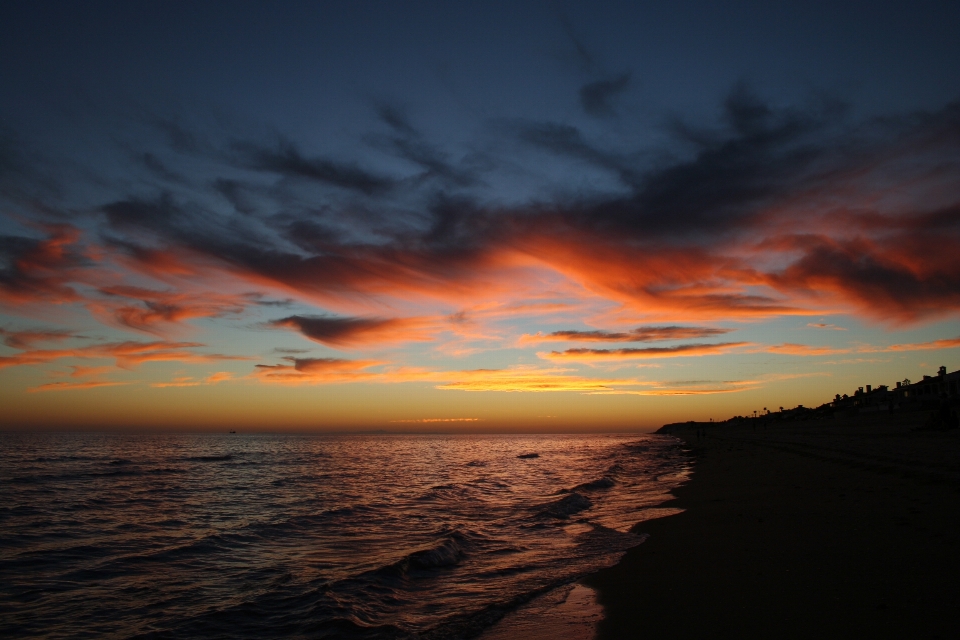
column 820, row 529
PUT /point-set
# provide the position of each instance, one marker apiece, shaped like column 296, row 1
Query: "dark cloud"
column 158, row 168
column 646, row 352
column 397, row 119
column 773, row 211
column 568, row 141
column 236, row 194
column 180, row 138
column 286, row 160
column 640, row 334
column 596, row 98
column 309, row 365
column 341, row 332
column 585, row 58
column 917, row 277
column 161, row 214
column 408, row 142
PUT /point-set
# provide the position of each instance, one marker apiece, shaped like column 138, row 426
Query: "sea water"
column 270, row 536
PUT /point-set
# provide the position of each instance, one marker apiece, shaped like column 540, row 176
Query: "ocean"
column 310, row 536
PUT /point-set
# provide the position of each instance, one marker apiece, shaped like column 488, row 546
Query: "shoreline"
column 838, row 528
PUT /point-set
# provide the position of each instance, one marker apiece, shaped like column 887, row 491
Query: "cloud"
column 190, row 381
column 158, row 308
column 683, row 350
column 34, row 270
column 705, row 391
column 525, row 380
column 640, row 334
column 286, row 160
column 426, row 420
column 318, row 371
column 351, row 332
column 790, row 349
column 824, row 325
column 783, row 211
column 529, row 379
column 515, row 379
column 946, row 343
column 80, row 371
column 596, row 97
column 805, row 350
column 408, row 143
column 27, row 339
column 74, row 386
column 567, row 141
column 182, row 381
column 776, row 211
column 126, row 355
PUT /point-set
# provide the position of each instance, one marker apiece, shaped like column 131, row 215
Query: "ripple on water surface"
column 319, row 536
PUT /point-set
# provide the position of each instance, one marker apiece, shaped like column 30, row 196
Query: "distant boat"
column 231, row 431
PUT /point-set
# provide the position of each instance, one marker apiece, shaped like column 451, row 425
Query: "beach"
column 832, row 528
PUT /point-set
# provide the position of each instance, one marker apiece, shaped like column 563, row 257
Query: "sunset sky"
column 540, row 216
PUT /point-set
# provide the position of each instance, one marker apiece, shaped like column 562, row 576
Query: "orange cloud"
column 518, row 380
column 182, row 381
column 80, row 371
column 73, row 386
column 947, row 343
column 790, row 349
column 426, row 420
column 679, row 392
column 805, row 350
column 189, row 381
column 40, row 270
column 163, row 307
column 125, row 354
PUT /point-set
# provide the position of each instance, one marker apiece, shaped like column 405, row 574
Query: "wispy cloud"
column 126, row 355
column 640, row 334
column 27, row 339
column 74, row 386
column 824, row 325
column 806, row 350
column 683, row 350
column 428, row 420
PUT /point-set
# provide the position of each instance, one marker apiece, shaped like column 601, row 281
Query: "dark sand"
column 822, row 529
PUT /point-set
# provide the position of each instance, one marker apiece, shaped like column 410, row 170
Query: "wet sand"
column 569, row 613
column 821, row 529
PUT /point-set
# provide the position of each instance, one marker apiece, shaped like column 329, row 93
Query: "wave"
column 447, row 553
column 220, row 458
column 601, row 483
column 566, row 506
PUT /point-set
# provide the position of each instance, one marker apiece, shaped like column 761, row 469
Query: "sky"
column 472, row 216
